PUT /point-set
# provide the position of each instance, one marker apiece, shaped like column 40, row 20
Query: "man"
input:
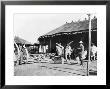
column 15, row 57
column 60, row 51
column 26, row 54
column 20, row 55
column 81, row 46
column 68, row 52
column 81, row 52
column 59, row 48
column 93, row 51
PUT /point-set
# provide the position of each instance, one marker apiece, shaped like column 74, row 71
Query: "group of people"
column 82, row 53
column 20, row 54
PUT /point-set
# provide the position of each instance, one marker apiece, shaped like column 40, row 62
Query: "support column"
column 50, row 45
column 89, row 15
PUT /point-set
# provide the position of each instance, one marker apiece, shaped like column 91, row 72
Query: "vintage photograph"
column 57, row 44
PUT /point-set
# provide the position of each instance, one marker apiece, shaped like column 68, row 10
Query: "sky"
column 31, row 26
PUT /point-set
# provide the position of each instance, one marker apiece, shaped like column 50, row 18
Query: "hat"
column 80, row 42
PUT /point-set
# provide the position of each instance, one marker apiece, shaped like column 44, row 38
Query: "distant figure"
column 40, row 49
column 15, row 57
column 20, row 55
column 81, row 46
column 68, row 51
column 16, row 53
column 83, row 53
column 93, row 52
column 60, row 51
column 27, row 53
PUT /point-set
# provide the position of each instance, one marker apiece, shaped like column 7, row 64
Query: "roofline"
column 73, row 32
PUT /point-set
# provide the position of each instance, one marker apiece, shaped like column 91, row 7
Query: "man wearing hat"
column 81, row 46
column 81, row 52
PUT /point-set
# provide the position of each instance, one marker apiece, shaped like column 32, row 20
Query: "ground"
column 47, row 69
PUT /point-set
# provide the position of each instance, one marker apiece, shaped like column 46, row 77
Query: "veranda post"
column 89, row 17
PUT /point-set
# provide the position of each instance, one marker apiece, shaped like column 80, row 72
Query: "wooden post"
column 50, row 44
column 89, row 15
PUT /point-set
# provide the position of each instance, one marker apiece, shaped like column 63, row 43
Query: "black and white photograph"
column 55, row 44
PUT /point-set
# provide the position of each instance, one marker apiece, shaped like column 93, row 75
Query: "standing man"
column 68, row 52
column 21, row 55
column 93, row 51
column 60, row 51
column 26, row 53
column 81, row 52
column 81, row 46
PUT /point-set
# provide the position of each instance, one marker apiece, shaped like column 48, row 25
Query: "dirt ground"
column 47, row 69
